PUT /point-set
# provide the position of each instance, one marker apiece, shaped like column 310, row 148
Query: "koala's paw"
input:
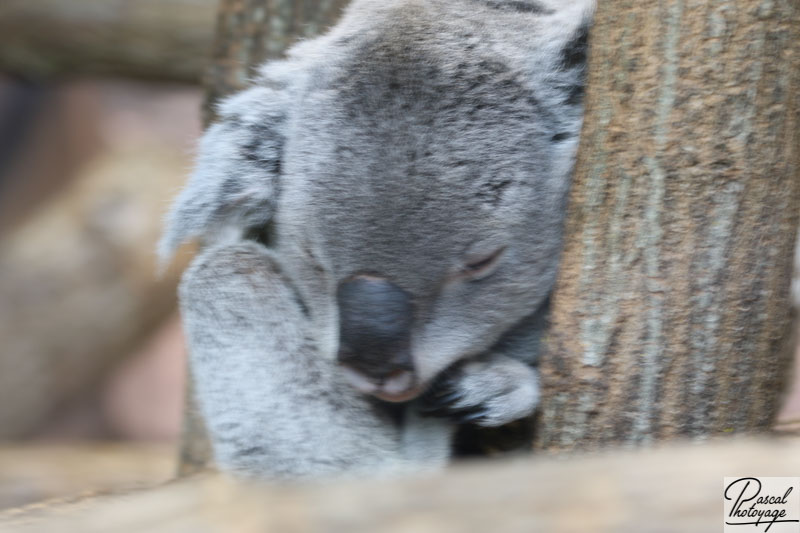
column 490, row 392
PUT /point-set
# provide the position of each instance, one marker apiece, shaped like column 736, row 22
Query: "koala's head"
column 430, row 170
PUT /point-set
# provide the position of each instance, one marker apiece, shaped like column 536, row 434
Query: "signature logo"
column 771, row 503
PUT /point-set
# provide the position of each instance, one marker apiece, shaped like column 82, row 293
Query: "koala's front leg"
column 274, row 408
column 489, row 391
column 497, row 387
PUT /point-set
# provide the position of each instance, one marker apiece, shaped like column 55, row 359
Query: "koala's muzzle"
column 375, row 318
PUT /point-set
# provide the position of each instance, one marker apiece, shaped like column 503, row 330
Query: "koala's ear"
column 235, row 180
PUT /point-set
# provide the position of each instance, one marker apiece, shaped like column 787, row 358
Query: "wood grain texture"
column 158, row 39
column 37, row 472
column 675, row 488
column 250, row 32
column 672, row 303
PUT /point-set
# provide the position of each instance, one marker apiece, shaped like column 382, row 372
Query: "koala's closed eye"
column 479, row 266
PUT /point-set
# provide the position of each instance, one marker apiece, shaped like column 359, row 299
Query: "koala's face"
column 417, row 159
column 437, row 199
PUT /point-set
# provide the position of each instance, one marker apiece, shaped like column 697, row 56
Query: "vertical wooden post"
column 673, row 298
column 250, row 32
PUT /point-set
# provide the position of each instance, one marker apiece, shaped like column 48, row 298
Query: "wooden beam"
column 162, row 39
column 676, row 488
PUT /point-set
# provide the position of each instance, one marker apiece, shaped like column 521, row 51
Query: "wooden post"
column 251, row 31
column 672, row 303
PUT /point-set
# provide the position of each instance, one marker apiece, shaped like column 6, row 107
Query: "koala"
column 381, row 217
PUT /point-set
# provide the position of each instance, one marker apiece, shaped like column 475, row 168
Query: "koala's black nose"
column 375, row 318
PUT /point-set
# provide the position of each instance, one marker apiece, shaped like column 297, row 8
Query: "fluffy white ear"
column 235, row 180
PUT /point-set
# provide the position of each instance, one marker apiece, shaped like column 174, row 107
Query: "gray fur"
column 415, row 136
column 272, row 406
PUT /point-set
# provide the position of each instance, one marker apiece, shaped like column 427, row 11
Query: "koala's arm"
column 497, row 387
column 274, row 407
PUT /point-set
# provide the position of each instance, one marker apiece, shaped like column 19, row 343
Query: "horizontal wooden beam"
column 162, row 39
column 672, row 488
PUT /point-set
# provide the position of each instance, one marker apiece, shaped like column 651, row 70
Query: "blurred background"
column 99, row 112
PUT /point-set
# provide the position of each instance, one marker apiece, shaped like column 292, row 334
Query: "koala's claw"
column 444, row 402
column 476, row 416
column 443, row 395
column 488, row 393
column 440, row 398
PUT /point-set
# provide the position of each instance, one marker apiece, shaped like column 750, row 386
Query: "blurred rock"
column 78, row 281
column 143, row 399
column 59, row 135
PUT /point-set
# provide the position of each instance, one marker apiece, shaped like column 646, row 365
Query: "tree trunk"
column 251, row 31
column 673, row 298
column 248, row 33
